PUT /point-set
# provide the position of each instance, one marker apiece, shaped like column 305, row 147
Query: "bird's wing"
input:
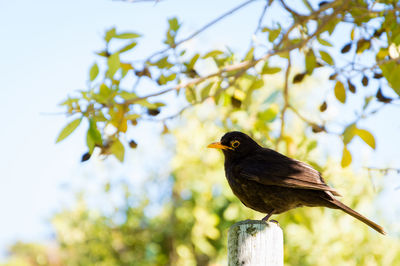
column 275, row 169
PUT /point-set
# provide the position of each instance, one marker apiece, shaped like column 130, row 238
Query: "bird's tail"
column 358, row 216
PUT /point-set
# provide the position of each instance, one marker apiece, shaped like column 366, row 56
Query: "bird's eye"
column 235, row 143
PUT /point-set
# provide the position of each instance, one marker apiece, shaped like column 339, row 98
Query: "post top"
column 260, row 222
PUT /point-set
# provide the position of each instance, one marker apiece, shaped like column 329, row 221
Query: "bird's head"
column 235, row 144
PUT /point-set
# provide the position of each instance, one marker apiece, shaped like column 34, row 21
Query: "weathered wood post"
column 253, row 243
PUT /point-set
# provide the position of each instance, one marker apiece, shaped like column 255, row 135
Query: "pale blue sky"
column 47, row 47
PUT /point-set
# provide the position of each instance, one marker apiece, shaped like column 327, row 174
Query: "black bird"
column 269, row 182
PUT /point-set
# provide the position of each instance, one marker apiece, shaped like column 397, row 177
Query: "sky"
column 47, row 49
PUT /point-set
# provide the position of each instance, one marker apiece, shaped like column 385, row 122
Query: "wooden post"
column 255, row 243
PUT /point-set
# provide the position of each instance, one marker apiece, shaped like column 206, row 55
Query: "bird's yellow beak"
column 218, row 145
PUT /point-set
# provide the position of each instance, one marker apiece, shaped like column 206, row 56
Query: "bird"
column 271, row 183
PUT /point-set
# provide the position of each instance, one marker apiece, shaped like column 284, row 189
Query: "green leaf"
column 382, row 53
column 160, row 104
column 127, row 47
column 126, row 95
column 267, row 70
column 331, row 26
column 104, row 91
column 165, row 79
column 94, row 133
column 68, row 129
column 366, row 136
column 173, row 24
column 312, row 145
column 126, row 66
column 205, row 92
column 118, row 150
column 270, row 114
column 258, row 83
column 110, row 34
column 349, row 133
column 90, row 142
column 103, row 53
column 249, row 55
column 170, row 39
column 132, row 116
column 363, row 45
column 346, row 157
column 273, row 34
column 101, row 97
column 311, row 61
column 127, row 35
column 113, row 64
column 340, row 92
column 284, row 55
column 324, row 42
column 213, row 53
column 94, row 71
column 193, row 61
column 147, row 104
column 190, row 96
column 326, row 57
column 295, row 40
column 162, row 63
column 391, row 72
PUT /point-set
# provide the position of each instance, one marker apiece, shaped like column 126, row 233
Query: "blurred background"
column 168, row 202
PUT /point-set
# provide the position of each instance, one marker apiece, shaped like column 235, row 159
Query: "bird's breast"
column 250, row 193
column 262, row 198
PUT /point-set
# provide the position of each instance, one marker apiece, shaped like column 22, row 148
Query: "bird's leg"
column 265, row 219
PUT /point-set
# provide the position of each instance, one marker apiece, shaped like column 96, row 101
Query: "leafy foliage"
column 370, row 56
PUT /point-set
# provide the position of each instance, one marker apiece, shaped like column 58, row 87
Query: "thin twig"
column 301, row 116
column 211, row 23
column 288, row 9
column 262, row 17
column 383, row 170
column 285, row 103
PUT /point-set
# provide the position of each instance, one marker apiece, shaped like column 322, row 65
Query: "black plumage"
column 269, row 182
